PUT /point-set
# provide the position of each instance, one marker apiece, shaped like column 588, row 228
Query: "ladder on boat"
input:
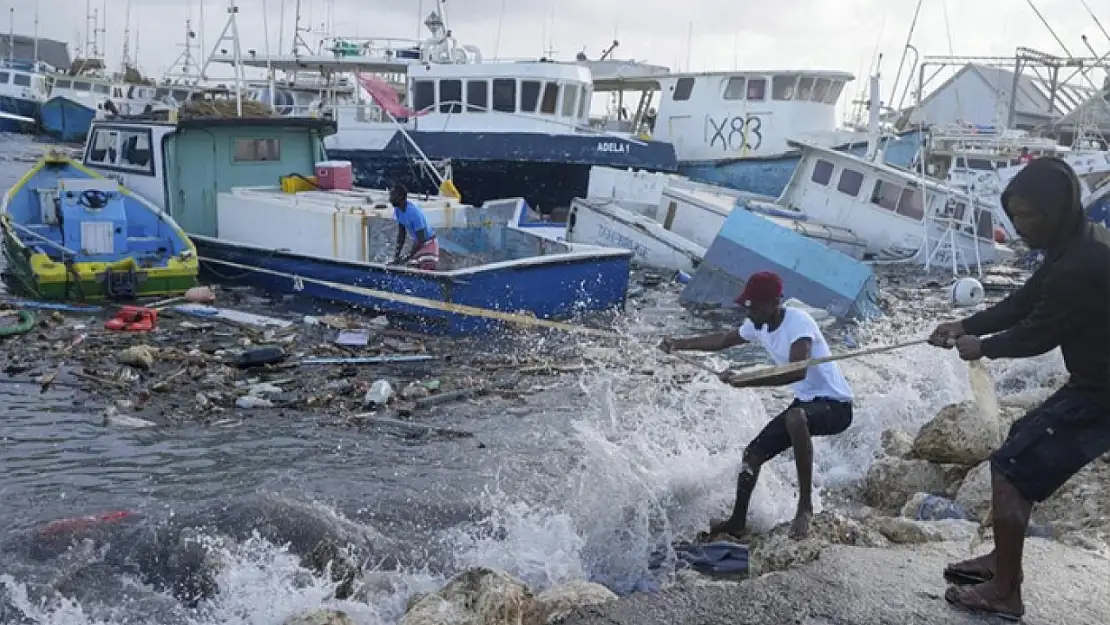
column 945, row 246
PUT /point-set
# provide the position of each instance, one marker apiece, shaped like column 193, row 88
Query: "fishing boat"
column 22, row 92
column 251, row 194
column 506, row 128
column 70, row 233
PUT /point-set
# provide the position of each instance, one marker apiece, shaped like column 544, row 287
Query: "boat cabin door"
column 192, row 181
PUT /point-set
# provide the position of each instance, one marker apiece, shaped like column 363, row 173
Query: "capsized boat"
column 70, row 233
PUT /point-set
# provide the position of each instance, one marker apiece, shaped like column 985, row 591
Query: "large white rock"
column 960, row 434
column 553, row 604
column 890, row 482
column 975, row 492
column 478, row 596
column 320, row 617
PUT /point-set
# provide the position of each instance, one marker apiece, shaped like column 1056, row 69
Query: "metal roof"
column 1033, row 93
column 55, row 53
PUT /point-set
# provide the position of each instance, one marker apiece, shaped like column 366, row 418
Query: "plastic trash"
column 250, row 401
column 935, row 508
column 263, row 389
column 262, row 355
column 379, row 394
column 681, row 277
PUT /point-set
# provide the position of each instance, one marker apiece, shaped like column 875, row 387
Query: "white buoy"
column 967, row 292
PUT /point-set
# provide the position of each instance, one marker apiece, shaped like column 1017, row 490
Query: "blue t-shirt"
column 413, row 219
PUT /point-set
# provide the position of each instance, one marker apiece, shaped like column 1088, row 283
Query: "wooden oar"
column 768, row 372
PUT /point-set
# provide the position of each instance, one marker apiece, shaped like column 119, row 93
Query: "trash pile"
column 191, row 360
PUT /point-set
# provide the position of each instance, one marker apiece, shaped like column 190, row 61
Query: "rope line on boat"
column 413, row 300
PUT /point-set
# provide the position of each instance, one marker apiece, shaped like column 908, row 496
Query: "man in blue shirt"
column 411, row 220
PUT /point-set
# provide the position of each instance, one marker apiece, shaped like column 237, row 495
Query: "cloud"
column 756, row 34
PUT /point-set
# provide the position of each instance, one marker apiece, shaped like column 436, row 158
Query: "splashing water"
column 655, row 455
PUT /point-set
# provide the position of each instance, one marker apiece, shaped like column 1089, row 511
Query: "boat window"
column 911, row 204
column 21, row 80
column 821, row 89
column 504, row 95
column 550, row 98
column 583, row 99
column 955, row 209
column 1015, row 161
column 734, row 90
column 960, row 164
column 984, row 224
column 886, row 194
column 570, row 100
column 683, row 88
column 63, row 84
column 105, row 89
column 822, row 172
column 450, row 96
column 834, row 92
column 423, row 94
column 805, row 88
column 529, row 95
column 82, row 86
column 477, row 96
column 850, row 182
column 181, row 96
column 979, row 164
column 134, row 150
column 103, row 150
column 782, row 87
column 757, row 89
column 257, row 150
column 4, row 78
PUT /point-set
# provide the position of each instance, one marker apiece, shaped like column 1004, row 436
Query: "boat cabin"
column 21, row 80
column 725, row 114
column 182, row 166
column 960, row 154
column 899, row 214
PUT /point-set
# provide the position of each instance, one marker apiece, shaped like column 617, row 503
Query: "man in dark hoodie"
column 1065, row 304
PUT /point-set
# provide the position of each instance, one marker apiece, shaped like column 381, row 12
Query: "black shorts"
column 1053, row 441
column 825, row 417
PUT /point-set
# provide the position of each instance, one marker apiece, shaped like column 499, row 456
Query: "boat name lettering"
column 736, row 133
column 298, row 284
column 608, row 234
column 612, row 146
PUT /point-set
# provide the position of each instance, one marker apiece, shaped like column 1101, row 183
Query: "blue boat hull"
column 769, row 176
column 21, row 107
column 547, row 170
column 553, row 290
column 66, row 120
column 811, row 272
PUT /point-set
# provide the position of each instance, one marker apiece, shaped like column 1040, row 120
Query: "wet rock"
column 902, row 531
column 321, row 617
column 960, row 434
column 776, row 551
column 929, row 507
column 974, row 493
column 373, row 587
column 896, row 443
column 414, row 391
column 555, row 603
column 890, row 482
column 138, row 356
column 264, row 389
column 478, row 596
column 112, row 416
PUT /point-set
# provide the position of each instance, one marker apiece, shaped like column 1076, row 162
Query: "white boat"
column 669, row 221
column 22, row 91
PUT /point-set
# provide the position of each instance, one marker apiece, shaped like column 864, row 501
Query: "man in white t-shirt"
column 822, row 399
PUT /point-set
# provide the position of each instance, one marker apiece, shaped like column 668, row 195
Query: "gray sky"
column 752, row 34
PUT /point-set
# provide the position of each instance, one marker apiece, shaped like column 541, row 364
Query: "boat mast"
column 125, row 58
column 35, row 53
column 11, row 34
column 230, row 33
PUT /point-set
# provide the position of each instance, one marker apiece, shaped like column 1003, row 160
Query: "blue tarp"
column 716, row 558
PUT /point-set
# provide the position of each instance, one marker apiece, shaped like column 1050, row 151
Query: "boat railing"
column 573, row 127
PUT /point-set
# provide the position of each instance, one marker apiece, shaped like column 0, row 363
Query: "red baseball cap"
column 764, row 287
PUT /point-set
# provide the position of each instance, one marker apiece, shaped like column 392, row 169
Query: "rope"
column 460, row 309
column 24, row 325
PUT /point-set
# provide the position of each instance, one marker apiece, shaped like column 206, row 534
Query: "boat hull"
column 65, row 119
column 21, row 107
column 612, row 224
column 555, row 289
column 549, row 171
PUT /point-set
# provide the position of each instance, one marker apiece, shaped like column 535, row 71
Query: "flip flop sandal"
column 965, row 578
column 970, row 601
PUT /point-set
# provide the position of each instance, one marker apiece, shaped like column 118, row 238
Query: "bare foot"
column 987, row 599
column 799, row 529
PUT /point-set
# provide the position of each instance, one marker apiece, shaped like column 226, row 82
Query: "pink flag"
column 386, row 97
